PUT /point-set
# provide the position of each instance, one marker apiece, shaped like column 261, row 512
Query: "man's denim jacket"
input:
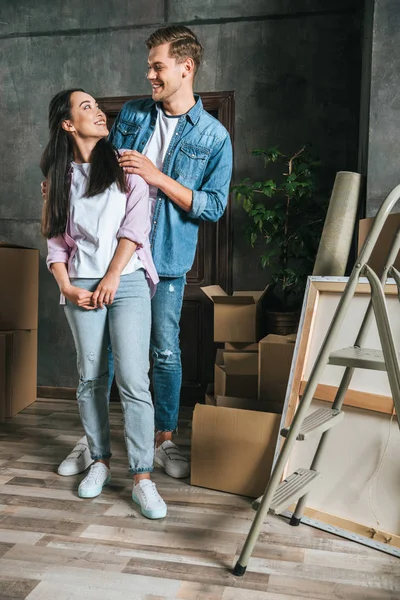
column 200, row 158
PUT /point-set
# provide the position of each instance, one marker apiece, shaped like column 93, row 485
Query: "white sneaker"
column 99, row 475
column 152, row 505
column 170, row 457
column 77, row 461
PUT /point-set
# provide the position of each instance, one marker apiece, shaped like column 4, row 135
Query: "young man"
column 185, row 155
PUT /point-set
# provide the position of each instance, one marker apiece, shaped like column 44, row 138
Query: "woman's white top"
column 94, row 223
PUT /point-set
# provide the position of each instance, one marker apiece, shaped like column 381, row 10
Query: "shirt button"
column 154, row 222
column 177, row 134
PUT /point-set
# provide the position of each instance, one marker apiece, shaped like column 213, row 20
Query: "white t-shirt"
column 94, row 223
column 157, row 146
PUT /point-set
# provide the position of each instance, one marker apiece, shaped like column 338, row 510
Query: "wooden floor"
column 55, row 546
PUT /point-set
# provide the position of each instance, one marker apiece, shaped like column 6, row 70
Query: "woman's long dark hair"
column 56, row 166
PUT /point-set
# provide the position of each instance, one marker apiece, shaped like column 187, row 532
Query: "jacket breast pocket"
column 190, row 163
column 127, row 134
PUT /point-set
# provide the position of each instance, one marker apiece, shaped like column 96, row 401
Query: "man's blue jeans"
column 166, row 308
column 126, row 324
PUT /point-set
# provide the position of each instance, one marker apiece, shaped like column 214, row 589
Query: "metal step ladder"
column 278, row 496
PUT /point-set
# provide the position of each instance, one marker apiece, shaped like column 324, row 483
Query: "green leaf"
column 274, row 153
column 247, row 204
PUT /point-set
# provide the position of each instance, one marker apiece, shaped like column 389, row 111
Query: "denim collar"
column 193, row 115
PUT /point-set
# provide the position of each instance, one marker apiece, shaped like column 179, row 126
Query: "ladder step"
column 319, row 421
column 361, row 358
column 291, row 489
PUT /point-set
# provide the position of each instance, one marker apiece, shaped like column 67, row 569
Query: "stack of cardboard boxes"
column 235, row 433
column 19, row 268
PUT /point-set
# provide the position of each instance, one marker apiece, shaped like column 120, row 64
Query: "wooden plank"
column 301, row 351
column 329, row 285
column 370, row 532
column 355, row 398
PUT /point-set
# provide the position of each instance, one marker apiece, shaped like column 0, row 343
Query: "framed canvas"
column 359, row 464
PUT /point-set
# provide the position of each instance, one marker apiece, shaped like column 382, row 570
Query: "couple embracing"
column 121, row 216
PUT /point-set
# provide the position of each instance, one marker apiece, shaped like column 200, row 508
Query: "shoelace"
column 148, row 491
column 95, row 473
column 77, row 451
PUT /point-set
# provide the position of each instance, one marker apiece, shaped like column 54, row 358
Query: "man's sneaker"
column 99, row 475
column 152, row 505
column 170, row 457
column 77, row 461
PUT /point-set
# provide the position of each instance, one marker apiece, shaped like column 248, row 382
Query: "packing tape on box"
column 335, row 243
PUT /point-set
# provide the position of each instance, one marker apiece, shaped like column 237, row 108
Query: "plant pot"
column 282, row 323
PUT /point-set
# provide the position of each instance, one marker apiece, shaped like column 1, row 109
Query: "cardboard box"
column 249, row 403
column 231, row 401
column 236, row 374
column 237, row 318
column 242, row 347
column 385, row 240
column 19, row 275
column 233, row 447
column 245, row 403
column 275, row 354
column 18, row 368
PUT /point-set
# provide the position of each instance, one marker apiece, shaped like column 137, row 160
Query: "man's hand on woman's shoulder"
column 136, row 163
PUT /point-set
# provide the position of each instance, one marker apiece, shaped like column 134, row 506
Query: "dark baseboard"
column 58, row 393
column 64, row 393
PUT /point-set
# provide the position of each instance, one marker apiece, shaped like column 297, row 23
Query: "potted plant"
column 287, row 217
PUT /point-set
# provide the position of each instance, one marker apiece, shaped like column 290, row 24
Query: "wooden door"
column 212, row 265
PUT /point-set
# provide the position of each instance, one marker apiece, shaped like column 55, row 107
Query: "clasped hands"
column 103, row 295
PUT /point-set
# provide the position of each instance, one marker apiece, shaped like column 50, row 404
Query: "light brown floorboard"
column 53, row 545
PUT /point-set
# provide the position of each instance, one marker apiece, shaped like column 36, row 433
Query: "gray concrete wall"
column 294, row 65
column 383, row 172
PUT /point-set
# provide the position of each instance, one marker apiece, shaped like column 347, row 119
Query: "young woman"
column 96, row 221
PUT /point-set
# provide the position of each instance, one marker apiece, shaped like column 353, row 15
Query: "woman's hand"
column 79, row 296
column 106, row 290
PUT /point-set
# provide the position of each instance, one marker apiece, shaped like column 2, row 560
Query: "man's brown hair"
column 183, row 43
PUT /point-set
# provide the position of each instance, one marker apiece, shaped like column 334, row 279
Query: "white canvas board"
column 351, row 489
column 374, row 382
column 350, row 458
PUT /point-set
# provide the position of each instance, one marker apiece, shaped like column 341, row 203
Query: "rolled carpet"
column 335, row 243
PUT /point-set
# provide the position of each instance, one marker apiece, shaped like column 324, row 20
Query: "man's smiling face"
column 164, row 73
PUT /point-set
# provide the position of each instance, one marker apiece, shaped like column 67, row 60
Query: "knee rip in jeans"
column 89, row 379
column 162, row 353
